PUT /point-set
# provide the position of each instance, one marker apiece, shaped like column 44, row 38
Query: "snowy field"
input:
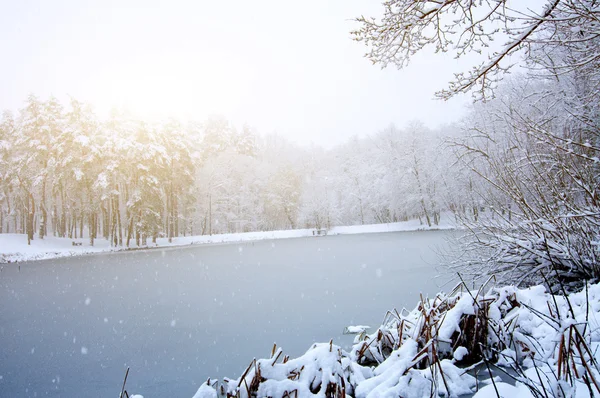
column 14, row 248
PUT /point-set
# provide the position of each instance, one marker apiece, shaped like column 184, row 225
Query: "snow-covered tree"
column 67, row 172
column 31, row 158
column 7, row 172
column 541, row 193
column 535, row 143
column 78, row 163
column 464, row 27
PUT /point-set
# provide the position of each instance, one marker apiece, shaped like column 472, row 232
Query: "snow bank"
column 412, row 225
column 14, row 248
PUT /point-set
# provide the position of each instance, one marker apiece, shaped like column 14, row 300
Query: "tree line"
column 64, row 172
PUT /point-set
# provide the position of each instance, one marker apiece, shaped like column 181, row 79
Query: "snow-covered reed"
column 541, row 345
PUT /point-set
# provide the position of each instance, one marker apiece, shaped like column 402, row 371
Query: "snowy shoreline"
column 14, row 247
column 539, row 344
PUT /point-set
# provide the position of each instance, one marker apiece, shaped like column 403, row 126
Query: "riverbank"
column 14, row 247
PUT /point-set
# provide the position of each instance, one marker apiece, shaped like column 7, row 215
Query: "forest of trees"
column 64, row 172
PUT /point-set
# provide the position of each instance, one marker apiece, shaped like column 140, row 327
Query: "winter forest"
column 68, row 174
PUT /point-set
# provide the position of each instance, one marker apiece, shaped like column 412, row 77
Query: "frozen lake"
column 70, row 327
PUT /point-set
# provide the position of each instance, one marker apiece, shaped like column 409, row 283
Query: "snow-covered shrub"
column 324, row 371
column 546, row 344
column 531, row 158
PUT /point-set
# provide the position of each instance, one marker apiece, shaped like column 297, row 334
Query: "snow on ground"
column 412, row 225
column 14, row 248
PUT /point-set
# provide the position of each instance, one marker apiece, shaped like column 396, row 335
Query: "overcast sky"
column 281, row 66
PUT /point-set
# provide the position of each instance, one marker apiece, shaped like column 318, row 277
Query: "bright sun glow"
column 157, row 89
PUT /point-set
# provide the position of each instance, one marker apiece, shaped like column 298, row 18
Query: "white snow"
column 460, row 353
column 205, row 391
column 356, row 329
column 14, row 247
column 505, row 390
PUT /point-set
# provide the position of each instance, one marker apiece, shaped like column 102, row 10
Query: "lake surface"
column 70, row 327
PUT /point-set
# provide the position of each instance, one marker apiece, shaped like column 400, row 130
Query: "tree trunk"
column 74, row 224
column 44, row 217
column 92, row 227
column 137, row 230
column 63, row 216
column 129, row 228
column 31, row 213
column 81, row 220
column 174, row 204
column 114, row 223
column 170, row 213
column 120, row 227
column 54, row 216
column 8, row 217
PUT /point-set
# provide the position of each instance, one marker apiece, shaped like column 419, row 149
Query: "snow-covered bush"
column 535, row 162
column 545, row 345
column 530, row 155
